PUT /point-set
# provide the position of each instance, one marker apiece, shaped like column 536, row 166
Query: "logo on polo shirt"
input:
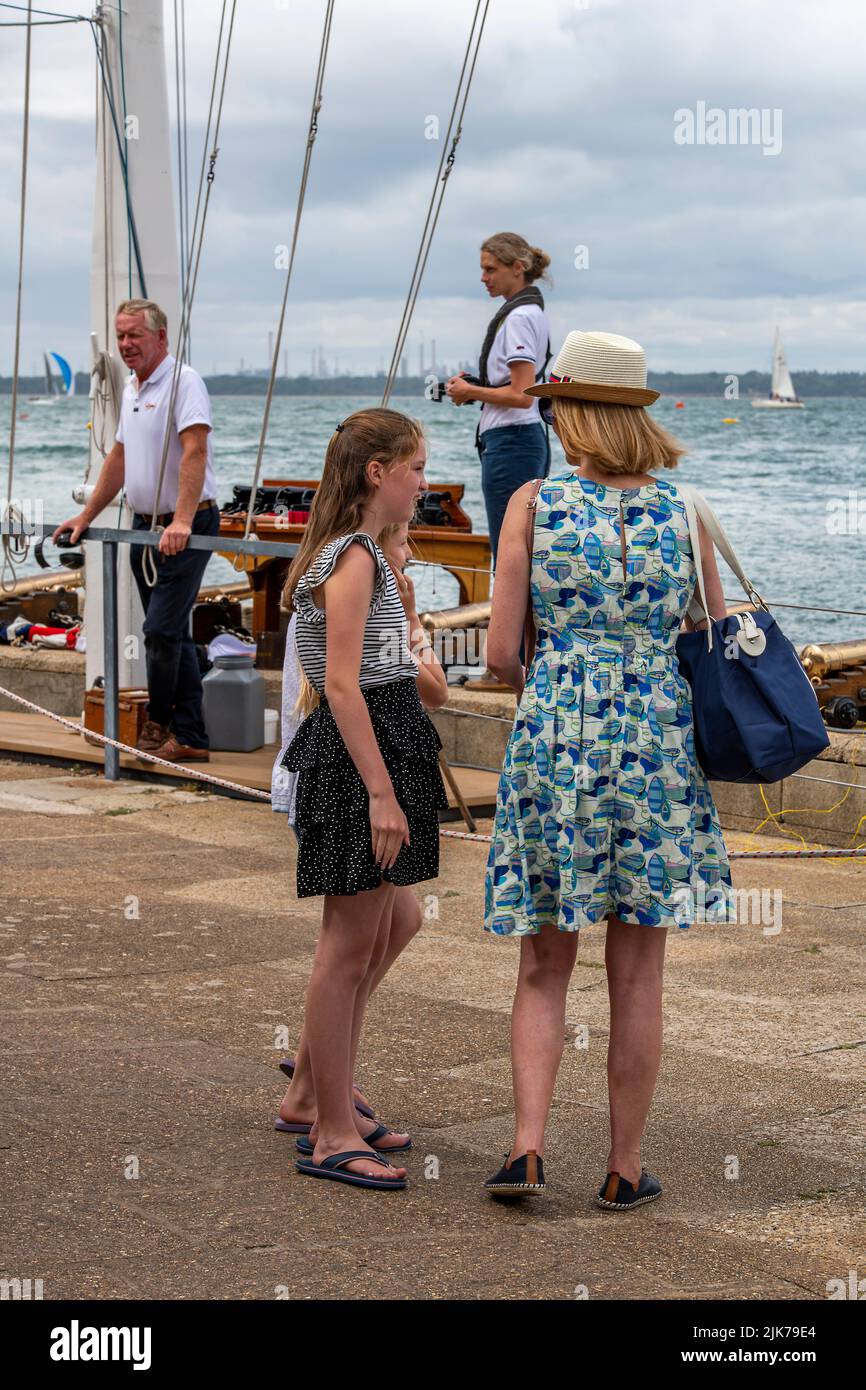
column 150, row 405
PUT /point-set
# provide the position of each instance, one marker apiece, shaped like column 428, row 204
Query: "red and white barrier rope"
column 136, row 752
column 445, row 834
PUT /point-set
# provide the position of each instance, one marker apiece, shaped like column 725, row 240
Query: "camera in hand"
column 439, row 392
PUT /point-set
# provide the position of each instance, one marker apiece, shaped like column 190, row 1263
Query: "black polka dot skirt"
column 332, row 816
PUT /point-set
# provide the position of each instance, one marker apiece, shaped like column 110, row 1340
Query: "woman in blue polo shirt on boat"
column 511, row 439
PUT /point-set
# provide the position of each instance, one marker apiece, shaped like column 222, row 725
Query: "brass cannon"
column 837, row 670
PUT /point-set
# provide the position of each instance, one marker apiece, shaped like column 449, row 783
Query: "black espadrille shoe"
column 618, row 1194
column 521, row 1177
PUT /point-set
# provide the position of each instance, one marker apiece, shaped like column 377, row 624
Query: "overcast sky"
column 696, row 250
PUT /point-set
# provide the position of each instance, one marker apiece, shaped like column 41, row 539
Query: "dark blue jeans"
column 173, row 676
column 510, row 456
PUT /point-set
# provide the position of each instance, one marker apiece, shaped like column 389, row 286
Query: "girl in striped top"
column 369, row 788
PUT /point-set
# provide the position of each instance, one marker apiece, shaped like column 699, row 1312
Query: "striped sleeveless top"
column 386, row 656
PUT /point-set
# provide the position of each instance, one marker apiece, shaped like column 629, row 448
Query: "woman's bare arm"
column 712, row 582
column 513, row 395
column 510, row 593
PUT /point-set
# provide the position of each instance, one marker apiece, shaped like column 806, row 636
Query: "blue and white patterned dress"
column 602, row 806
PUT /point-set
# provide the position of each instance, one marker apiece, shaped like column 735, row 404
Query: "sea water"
column 788, row 486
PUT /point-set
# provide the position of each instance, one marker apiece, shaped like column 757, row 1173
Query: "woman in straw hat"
column 603, row 813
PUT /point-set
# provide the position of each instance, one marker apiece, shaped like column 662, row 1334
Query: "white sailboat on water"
column 53, row 393
column 782, row 394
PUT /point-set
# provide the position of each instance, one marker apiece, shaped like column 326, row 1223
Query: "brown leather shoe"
column 152, row 736
column 176, row 752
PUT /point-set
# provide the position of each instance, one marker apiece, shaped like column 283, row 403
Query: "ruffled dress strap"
column 323, row 566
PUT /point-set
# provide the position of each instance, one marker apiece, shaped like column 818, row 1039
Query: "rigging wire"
column 183, row 251
column 182, row 141
column 121, row 151
column 67, row 18
column 40, row 23
column 446, row 162
column 197, row 239
column 311, row 138
column 185, row 148
column 18, row 545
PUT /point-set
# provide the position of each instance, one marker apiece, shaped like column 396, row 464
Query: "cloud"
column 568, row 138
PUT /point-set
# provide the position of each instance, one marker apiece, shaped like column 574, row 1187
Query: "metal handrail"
column 109, row 538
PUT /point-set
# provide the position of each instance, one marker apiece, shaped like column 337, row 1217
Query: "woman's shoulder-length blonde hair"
column 619, row 438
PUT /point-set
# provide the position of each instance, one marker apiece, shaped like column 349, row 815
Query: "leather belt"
column 165, row 517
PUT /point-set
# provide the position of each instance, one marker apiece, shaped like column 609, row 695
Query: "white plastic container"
column 233, row 704
column 272, row 725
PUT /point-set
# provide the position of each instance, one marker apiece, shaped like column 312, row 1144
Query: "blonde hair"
column 154, row 317
column 619, row 438
column 377, row 433
column 508, row 247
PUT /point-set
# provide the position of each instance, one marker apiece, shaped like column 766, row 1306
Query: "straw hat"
column 598, row 367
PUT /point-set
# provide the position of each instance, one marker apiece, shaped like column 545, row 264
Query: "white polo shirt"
column 141, row 429
column 521, row 337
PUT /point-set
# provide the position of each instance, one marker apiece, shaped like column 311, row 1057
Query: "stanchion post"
column 109, row 675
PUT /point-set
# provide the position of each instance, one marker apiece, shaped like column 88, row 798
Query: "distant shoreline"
column 810, row 385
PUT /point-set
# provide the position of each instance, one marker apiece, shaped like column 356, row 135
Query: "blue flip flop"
column 330, row 1168
column 306, row 1146
column 288, row 1066
column 290, row 1127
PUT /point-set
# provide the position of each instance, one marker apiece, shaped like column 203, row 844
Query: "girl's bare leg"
column 397, row 929
column 350, row 928
column 299, row 1102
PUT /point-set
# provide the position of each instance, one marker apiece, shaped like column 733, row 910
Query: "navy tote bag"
column 756, row 713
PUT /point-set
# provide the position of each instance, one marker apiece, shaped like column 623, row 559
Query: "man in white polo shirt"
column 187, row 504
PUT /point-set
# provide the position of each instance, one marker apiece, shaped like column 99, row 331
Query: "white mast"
column 134, row 61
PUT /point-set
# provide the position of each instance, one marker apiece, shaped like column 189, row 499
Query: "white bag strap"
column 698, row 608
column 697, row 505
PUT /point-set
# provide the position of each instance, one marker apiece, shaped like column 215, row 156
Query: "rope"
column 67, row 18
column 445, row 834
column 105, row 395
column 20, row 545
column 446, row 162
column 730, row 602
column 136, row 752
column 311, row 138
column 777, row 817
column 732, row 854
column 148, row 559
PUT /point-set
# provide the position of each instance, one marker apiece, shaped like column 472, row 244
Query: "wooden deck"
column 37, row 736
